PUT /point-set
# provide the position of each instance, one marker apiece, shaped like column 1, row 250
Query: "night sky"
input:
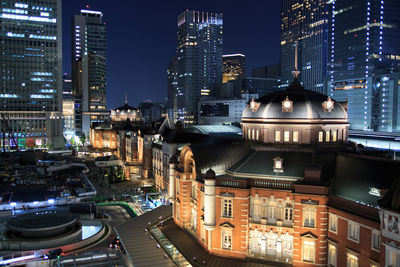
column 141, row 38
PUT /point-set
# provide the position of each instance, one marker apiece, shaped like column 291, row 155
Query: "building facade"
column 31, row 79
column 223, row 111
column 363, row 60
column 199, row 60
column 89, row 67
column 151, row 111
column 68, row 107
column 233, row 67
column 172, row 81
column 294, row 191
column 304, row 26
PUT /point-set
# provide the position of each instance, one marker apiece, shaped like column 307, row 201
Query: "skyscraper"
column 68, row 107
column 233, row 67
column 363, row 56
column 89, row 67
column 31, row 74
column 305, row 23
column 172, row 81
column 199, row 60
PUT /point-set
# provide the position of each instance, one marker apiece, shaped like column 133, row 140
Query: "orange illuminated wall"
column 103, row 138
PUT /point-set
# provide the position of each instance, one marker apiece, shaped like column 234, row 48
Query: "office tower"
column 89, row 67
column 233, row 67
column 31, row 77
column 151, row 111
column 270, row 71
column 199, row 60
column 364, row 55
column 68, row 107
column 172, row 81
column 305, row 23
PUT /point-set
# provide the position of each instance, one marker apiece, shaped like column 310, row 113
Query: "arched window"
column 272, row 210
column 288, row 212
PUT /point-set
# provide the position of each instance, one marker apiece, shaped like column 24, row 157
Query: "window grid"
column 308, row 251
column 309, row 214
column 227, row 208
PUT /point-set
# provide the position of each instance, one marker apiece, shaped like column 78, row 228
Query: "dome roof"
column 302, row 104
column 126, row 108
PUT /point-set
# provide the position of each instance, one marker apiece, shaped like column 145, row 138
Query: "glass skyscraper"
column 89, row 68
column 172, row 81
column 364, row 57
column 199, row 60
column 305, row 23
column 233, row 67
column 30, row 74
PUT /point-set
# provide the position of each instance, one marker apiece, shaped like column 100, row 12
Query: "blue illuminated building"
column 31, row 77
column 89, row 68
column 364, row 57
column 199, row 61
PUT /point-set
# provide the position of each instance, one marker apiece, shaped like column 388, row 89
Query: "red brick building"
column 294, row 191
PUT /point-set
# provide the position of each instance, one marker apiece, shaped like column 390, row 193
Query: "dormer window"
column 287, row 105
column 278, row 164
column 328, row 105
column 254, row 105
column 374, row 191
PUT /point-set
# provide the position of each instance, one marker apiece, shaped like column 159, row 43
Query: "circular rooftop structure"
column 295, row 103
column 295, row 116
column 42, row 224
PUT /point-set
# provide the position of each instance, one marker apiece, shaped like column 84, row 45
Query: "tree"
column 83, row 139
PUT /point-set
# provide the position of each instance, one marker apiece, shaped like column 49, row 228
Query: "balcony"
column 271, row 222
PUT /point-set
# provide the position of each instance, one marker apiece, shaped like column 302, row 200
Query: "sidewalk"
column 190, row 249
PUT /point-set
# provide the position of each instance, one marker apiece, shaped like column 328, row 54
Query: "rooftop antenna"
column 296, row 72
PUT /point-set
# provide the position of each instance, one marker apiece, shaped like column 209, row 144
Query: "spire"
column 126, row 98
column 295, row 85
column 296, row 72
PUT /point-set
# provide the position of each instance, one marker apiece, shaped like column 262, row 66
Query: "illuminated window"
column 321, row 136
column 308, row 251
column 353, row 232
column 278, row 164
column 277, row 136
column 375, row 240
column 286, row 135
column 257, row 134
column 295, row 136
column 252, row 134
column 327, row 136
column 288, row 212
column 227, row 207
column 331, row 255
column 334, row 136
column 394, row 257
column 352, row 260
column 309, row 214
column 272, row 210
column 226, row 239
column 333, row 222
